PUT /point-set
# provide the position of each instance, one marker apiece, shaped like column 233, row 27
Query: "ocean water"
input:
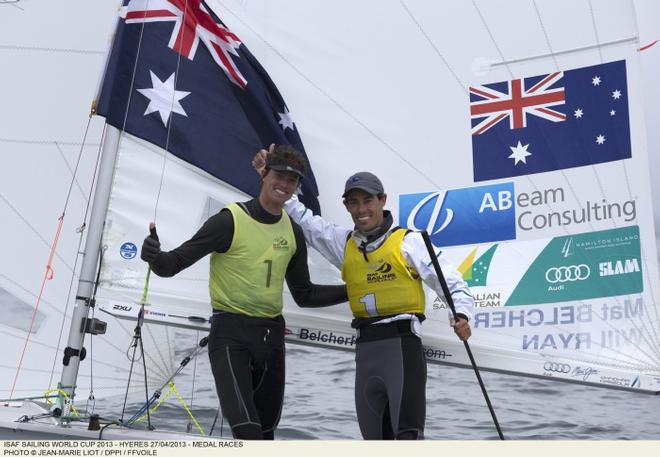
column 319, row 404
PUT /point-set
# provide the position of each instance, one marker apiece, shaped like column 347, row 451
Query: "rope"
column 192, row 388
column 183, row 404
column 48, row 275
column 644, row 48
column 145, row 291
column 62, row 393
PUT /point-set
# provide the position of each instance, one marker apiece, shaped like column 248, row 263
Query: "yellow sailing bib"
column 384, row 285
column 249, row 277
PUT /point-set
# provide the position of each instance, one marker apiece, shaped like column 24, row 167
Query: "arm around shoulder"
column 326, row 237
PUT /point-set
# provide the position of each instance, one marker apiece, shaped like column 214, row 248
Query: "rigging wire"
column 35, row 231
column 81, row 230
column 492, row 39
column 138, row 333
column 192, row 388
column 653, row 292
column 15, row 47
column 595, row 28
column 72, row 171
column 435, row 48
column 330, row 98
column 49, row 274
column 92, row 305
column 170, row 121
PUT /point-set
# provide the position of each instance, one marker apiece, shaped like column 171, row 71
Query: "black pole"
column 450, row 302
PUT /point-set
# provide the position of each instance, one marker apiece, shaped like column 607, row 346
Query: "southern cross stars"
column 285, row 119
column 163, row 98
column 520, row 153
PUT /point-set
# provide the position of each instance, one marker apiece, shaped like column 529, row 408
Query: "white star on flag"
column 616, row 94
column 612, row 113
column 520, row 153
column 163, row 98
column 596, row 81
column 286, row 121
column 600, row 139
column 578, row 113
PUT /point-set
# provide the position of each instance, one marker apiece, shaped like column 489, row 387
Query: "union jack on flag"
column 199, row 26
column 491, row 106
column 559, row 120
column 177, row 77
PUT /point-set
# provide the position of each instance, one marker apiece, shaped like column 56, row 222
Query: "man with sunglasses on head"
column 254, row 248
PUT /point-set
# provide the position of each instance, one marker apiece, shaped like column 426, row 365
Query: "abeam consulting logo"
column 462, row 216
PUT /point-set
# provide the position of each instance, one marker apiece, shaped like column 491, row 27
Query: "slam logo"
column 462, row 216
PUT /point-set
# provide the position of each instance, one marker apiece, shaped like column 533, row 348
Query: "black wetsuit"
column 390, row 381
column 247, row 353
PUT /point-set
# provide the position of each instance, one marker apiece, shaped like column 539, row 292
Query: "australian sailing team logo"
column 280, row 243
column 462, row 216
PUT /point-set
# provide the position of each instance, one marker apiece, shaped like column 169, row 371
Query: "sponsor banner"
column 320, row 337
column 562, row 269
column 462, row 216
column 581, row 372
column 346, row 340
column 583, row 266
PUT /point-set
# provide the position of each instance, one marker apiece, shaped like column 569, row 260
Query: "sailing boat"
column 335, row 80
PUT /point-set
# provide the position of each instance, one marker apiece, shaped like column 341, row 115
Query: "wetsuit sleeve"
column 414, row 250
column 327, row 238
column 214, row 236
column 304, row 292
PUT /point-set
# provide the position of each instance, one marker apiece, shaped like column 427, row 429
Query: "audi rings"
column 557, row 367
column 568, row 273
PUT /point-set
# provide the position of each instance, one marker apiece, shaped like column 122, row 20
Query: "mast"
column 72, row 354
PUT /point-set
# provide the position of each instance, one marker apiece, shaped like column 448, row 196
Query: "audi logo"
column 568, row 273
column 557, row 367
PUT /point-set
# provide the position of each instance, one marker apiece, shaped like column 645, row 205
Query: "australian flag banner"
column 550, row 122
column 178, row 78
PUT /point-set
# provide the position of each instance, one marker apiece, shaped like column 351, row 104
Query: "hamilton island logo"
column 382, row 271
column 280, row 243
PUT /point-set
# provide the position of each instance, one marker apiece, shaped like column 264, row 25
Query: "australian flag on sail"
column 178, row 78
column 550, row 122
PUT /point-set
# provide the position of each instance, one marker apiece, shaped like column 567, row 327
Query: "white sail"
column 48, row 88
column 389, row 92
column 378, row 85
